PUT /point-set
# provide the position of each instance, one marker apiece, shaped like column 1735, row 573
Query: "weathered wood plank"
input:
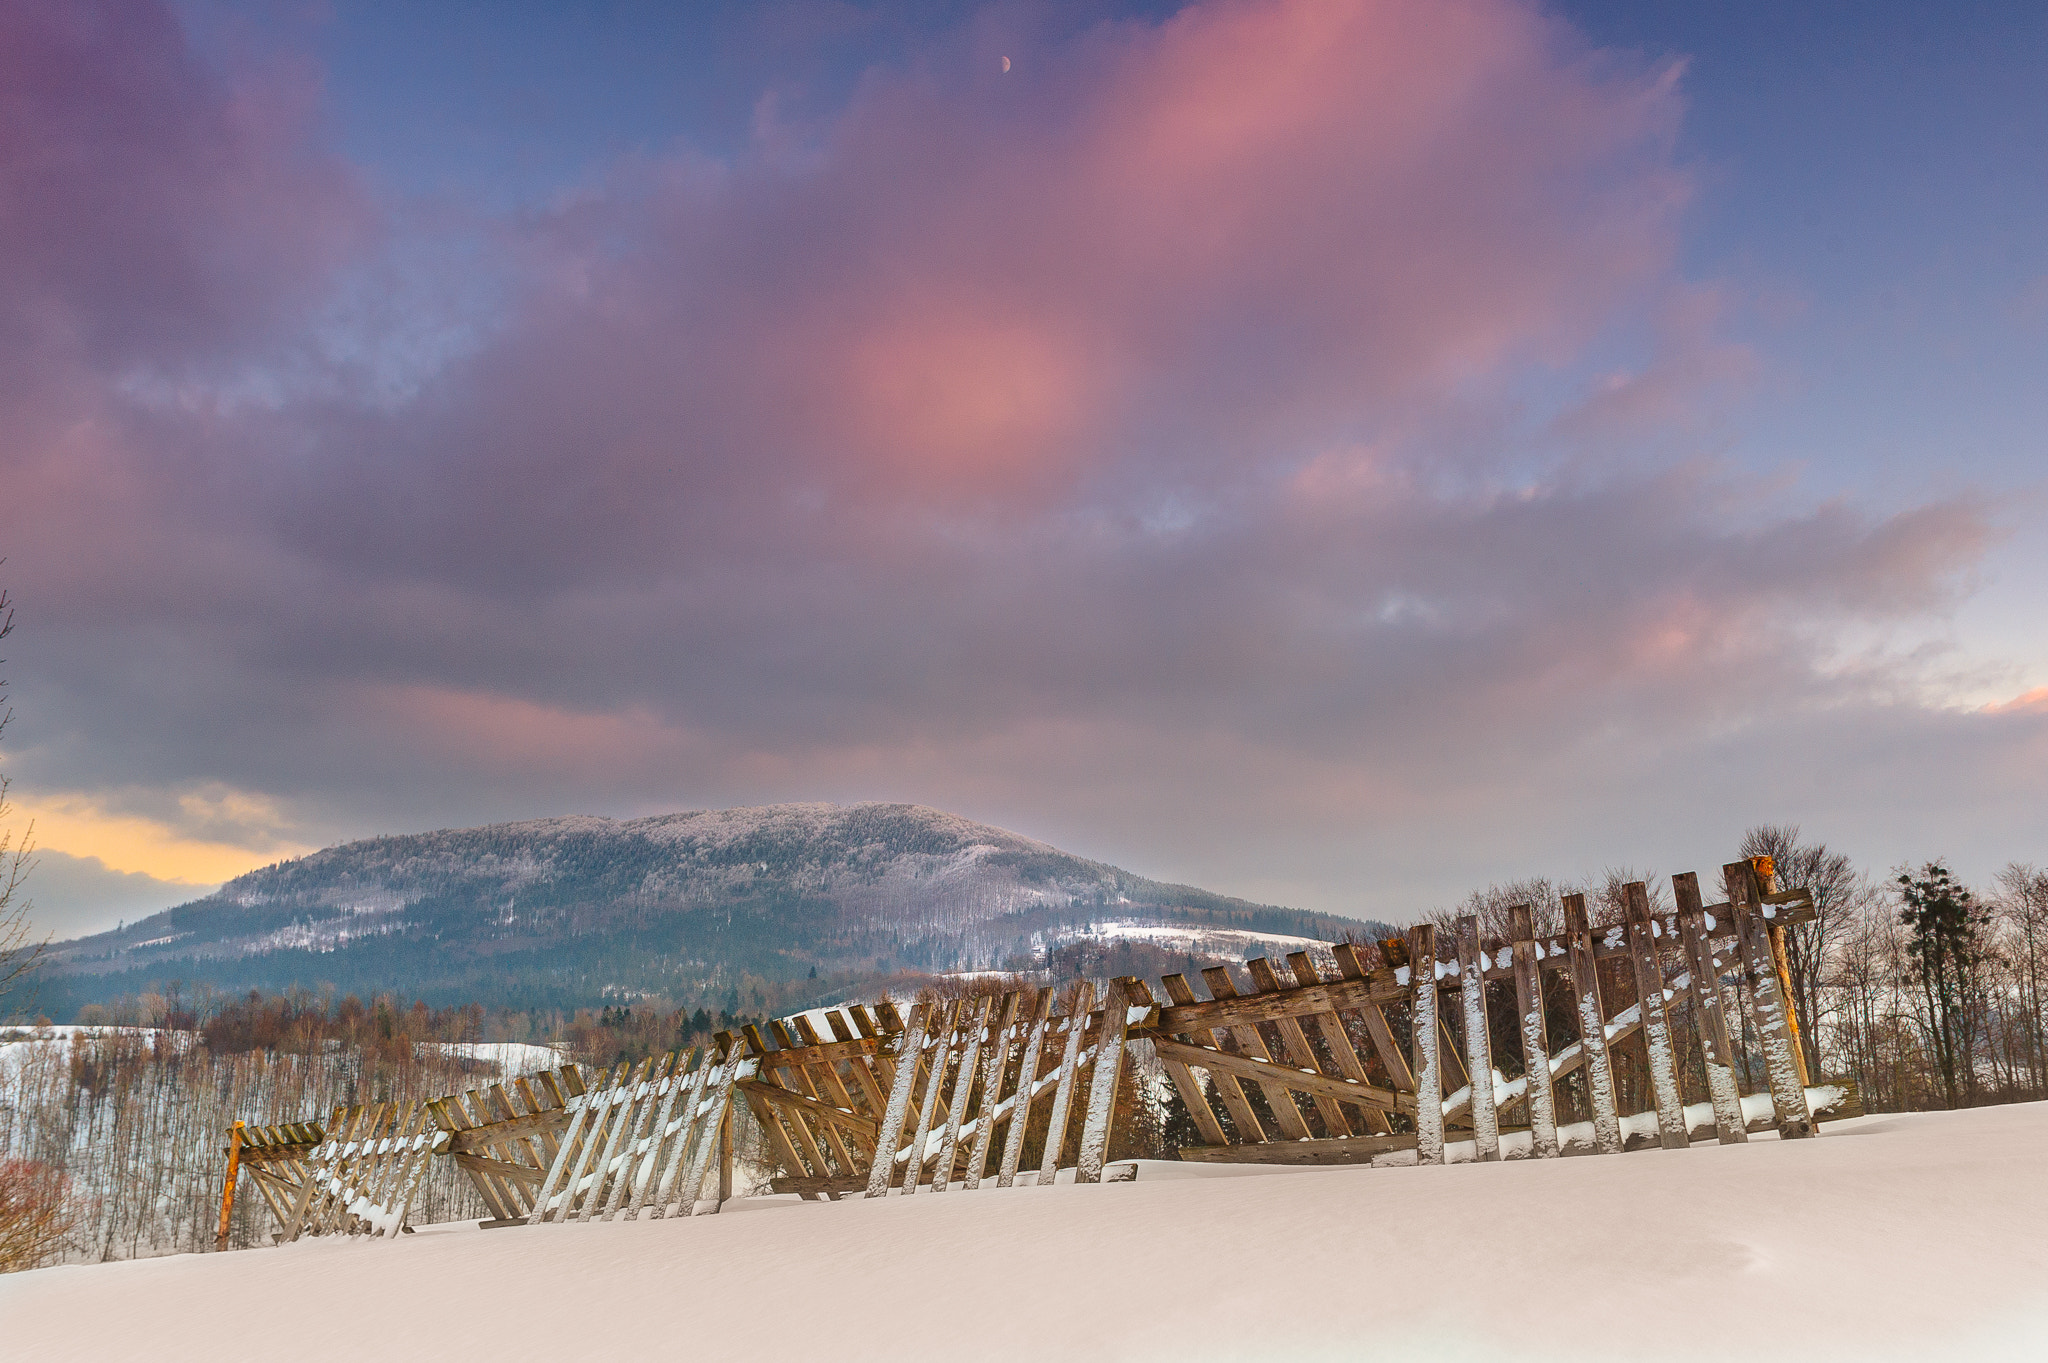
column 1592, row 1013
column 992, row 1069
column 1250, row 1044
column 1429, row 1103
column 1391, row 1058
column 1541, row 1099
column 1295, row 1046
column 882, row 1165
column 1027, row 1079
column 1717, row 1055
column 1108, row 1071
column 963, row 1091
column 1788, row 1095
column 935, row 1079
column 1063, row 1095
column 1228, row 1089
column 1232, row 1011
column 1647, row 965
column 1270, row 1075
column 1471, row 960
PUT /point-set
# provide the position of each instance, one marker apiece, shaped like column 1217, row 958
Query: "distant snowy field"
column 1917, row 1236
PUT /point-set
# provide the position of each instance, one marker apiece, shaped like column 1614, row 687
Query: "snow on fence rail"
column 1359, row 1064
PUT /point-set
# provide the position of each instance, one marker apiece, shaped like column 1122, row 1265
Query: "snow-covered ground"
column 1917, row 1236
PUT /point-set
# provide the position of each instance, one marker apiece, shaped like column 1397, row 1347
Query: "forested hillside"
column 746, row 908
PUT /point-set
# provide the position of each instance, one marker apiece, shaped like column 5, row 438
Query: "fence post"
column 227, row 1192
column 1429, row 1084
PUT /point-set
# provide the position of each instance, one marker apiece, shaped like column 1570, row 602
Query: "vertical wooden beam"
column 1656, row 1023
column 659, row 1190
column 882, row 1167
column 1767, row 883
column 1541, row 1100
column 1788, row 1095
column 1063, row 1096
column 963, row 1093
column 227, row 1192
column 992, row 1068
column 710, row 1121
column 1027, row 1082
column 1102, row 1082
column 1704, row 990
column 1478, row 1039
column 1585, row 975
column 1429, row 1090
column 942, row 1052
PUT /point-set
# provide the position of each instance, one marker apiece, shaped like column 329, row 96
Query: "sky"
column 1337, row 454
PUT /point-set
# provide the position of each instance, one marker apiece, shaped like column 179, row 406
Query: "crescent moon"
column 1006, row 63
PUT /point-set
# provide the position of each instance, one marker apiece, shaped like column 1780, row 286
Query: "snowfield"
column 1915, row 1236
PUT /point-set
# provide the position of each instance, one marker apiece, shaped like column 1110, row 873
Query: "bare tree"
column 20, row 949
column 2021, row 901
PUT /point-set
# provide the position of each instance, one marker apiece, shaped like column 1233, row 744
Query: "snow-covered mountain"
column 680, row 906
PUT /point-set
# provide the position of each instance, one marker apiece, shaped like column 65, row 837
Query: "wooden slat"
column 1338, row 1040
column 819, row 1052
column 865, row 1128
column 660, row 1191
column 1391, row 1059
column 1478, row 1039
column 1540, row 1100
column 1656, row 1024
column 1232, row 1011
column 1228, row 1089
column 993, row 1066
column 1717, row 1055
column 1429, row 1111
column 941, row 1052
column 1294, row 1044
column 1102, row 1082
column 709, row 1122
column 1272, row 1076
column 882, row 1166
column 963, row 1090
column 1592, row 1014
column 1063, row 1096
column 806, row 1081
column 1250, row 1044
column 517, row 1173
column 1027, row 1088
column 1788, row 1095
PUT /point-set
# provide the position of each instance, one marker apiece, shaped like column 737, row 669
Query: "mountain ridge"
column 698, row 906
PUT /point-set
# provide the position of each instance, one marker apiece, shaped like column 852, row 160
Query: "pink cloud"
column 1141, row 433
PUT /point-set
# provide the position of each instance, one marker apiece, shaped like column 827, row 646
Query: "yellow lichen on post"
column 1767, row 883
column 227, row 1192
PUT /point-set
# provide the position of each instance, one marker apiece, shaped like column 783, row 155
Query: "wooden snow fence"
column 966, row 1067
column 644, row 1139
column 819, row 1101
column 506, row 1137
column 361, row 1176
column 275, row 1159
column 1313, row 1067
